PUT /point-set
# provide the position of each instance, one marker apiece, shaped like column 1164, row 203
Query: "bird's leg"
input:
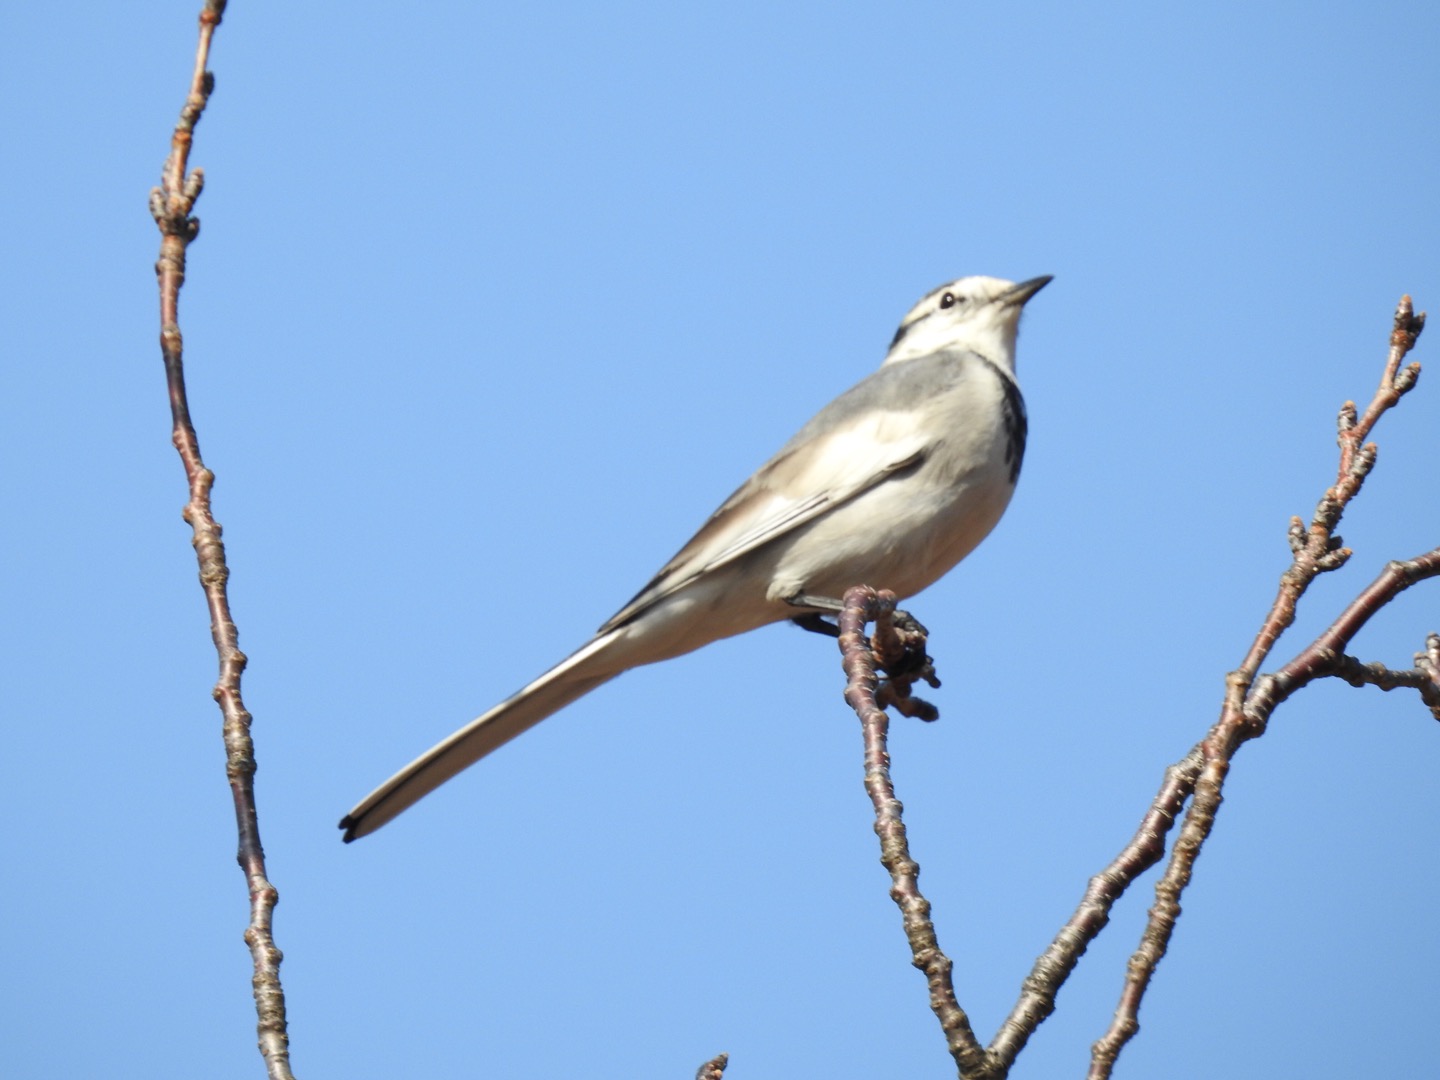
column 816, row 624
column 900, row 644
column 815, row 621
column 899, row 652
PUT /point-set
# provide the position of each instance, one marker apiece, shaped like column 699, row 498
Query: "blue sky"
column 492, row 305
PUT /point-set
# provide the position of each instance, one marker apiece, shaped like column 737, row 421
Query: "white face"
column 981, row 314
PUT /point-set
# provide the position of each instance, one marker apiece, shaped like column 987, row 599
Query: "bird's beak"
column 1017, row 295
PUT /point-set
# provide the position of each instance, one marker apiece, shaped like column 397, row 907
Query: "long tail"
column 572, row 678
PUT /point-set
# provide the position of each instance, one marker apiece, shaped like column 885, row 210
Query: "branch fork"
column 1192, row 789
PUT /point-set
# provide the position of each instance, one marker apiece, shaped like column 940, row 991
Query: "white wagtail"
column 890, row 485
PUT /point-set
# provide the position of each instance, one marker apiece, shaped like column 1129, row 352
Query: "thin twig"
column 172, row 204
column 1249, row 700
column 863, row 605
column 1358, row 673
column 1317, row 549
column 1325, row 656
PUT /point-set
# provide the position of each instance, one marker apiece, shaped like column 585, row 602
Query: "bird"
column 890, row 485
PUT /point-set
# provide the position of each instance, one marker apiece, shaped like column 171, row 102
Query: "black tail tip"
column 349, row 824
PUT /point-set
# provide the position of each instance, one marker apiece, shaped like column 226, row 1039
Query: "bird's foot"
column 900, row 658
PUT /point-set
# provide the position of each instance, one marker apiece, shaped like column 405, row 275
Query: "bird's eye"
column 949, row 300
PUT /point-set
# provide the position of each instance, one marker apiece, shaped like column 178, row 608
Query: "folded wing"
column 831, row 461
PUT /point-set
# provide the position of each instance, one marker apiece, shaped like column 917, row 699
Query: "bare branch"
column 1037, row 997
column 1249, row 700
column 891, row 646
column 1318, row 549
column 1325, row 656
column 1155, row 940
column 1375, row 673
column 172, row 205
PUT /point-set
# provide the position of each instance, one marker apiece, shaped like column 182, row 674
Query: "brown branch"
column 1197, row 779
column 891, row 647
column 1249, row 701
column 1325, row 656
column 1317, row 549
column 172, row 204
column 1155, row 939
column 1038, row 992
column 1375, row 673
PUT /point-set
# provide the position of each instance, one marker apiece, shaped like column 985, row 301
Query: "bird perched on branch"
column 890, row 485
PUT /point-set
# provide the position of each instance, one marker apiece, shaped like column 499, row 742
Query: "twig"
column 1249, row 700
column 863, row 605
column 1418, row 678
column 1325, row 656
column 1317, row 549
column 172, row 204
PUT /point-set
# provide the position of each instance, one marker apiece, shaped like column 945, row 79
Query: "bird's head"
column 981, row 314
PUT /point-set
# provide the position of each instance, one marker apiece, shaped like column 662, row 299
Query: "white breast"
column 908, row 531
